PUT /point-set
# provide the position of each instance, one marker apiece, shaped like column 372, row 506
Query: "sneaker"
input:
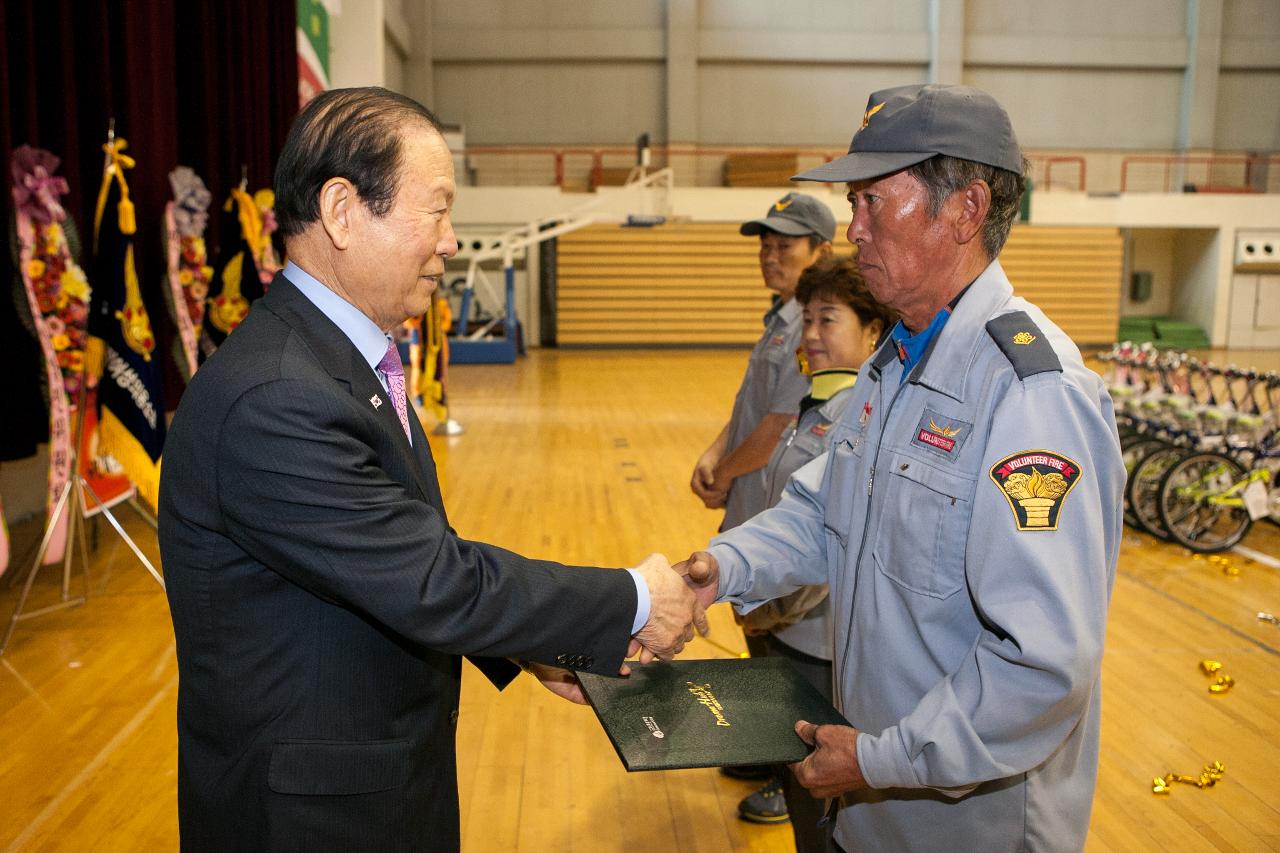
column 766, row 805
column 748, row 773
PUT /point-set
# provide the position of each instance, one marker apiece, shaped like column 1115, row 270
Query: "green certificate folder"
column 707, row 713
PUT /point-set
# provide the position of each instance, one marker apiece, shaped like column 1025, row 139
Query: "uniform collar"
column 956, row 343
column 826, row 406
column 825, row 384
column 787, row 311
column 883, row 357
column 943, row 366
column 910, row 347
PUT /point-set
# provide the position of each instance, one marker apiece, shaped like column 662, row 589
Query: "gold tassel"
column 128, row 220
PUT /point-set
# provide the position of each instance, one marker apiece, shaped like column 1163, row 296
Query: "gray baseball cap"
column 906, row 125
column 795, row 215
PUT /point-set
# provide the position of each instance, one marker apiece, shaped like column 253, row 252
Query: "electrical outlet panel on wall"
column 1257, row 251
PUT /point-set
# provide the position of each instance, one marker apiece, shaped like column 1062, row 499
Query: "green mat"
column 1164, row 332
column 1180, row 334
column 1136, row 329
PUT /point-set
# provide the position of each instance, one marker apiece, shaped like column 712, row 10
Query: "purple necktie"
column 394, row 371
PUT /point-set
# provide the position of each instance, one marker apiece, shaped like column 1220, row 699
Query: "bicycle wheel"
column 1132, row 453
column 1274, row 516
column 1128, row 435
column 1187, row 509
column 1143, row 489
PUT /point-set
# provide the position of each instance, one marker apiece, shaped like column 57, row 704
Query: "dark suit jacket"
column 320, row 601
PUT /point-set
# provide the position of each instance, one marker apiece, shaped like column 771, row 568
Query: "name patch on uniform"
column 820, row 429
column 941, row 434
column 1036, row 483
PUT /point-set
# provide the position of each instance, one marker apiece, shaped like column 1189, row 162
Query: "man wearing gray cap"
column 796, row 231
column 967, row 517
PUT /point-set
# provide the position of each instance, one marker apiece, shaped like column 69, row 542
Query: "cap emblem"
column 866, row 117
column 783, row 204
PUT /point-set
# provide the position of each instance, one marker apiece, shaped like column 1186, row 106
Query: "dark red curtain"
column 210, row 84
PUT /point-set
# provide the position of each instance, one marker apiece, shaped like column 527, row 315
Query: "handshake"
column 679, row 596
column 678, row 600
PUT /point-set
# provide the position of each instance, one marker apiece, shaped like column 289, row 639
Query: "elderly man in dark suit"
column 320, row 598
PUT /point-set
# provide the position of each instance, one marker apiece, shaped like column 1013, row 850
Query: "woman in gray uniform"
column 794, row 233
column 842, row 324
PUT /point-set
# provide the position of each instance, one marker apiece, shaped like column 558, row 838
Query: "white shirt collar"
column 363, row 332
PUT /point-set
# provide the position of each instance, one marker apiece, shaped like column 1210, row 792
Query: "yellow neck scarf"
column 828, row 383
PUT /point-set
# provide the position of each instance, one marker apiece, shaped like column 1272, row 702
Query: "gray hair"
column 942, row 175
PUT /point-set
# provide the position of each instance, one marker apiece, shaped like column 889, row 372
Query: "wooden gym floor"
column 584, row 456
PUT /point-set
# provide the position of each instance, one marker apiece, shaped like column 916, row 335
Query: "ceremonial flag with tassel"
column 188, row 271
column 433, row 380
column 268, row 259
column 236, row 280
column 131, row 427
column 57, row 295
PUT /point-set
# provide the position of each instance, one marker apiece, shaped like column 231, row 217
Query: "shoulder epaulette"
column 1023, row 344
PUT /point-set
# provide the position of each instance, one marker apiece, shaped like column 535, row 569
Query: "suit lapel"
column 332, row 348
column 341, row 360
column 425, row 463
column 366, row 387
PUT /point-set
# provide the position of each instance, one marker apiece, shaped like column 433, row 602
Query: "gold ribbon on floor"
column 1209, row 776
column 1221, row 681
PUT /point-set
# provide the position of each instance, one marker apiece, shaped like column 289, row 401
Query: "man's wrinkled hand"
column 561, row 682
column 674, row 611
column 832, row 768
column 702, row 483
column 702, row 572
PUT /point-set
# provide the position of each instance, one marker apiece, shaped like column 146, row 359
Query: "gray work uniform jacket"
column 805, row 441
column 773, row 383
column 968, row 522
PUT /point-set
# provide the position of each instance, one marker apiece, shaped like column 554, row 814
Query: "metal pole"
column 125, row 536
column 58, row 508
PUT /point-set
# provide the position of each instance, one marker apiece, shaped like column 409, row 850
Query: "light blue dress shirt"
column 371, row 341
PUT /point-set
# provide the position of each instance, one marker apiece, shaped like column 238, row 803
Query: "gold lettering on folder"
column 708, row 700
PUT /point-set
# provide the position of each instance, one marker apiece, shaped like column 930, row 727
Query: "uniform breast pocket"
column 776, row 351
column 843, row 479
column 923, row 527
column 807, row 446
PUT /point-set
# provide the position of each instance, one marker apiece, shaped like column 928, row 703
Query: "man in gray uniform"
column 967, row 516
column 795, row 232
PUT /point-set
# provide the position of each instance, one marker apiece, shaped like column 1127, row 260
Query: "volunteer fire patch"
column 941, row 434
column 1035, row 483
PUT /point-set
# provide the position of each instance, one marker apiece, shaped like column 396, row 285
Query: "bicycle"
column 1209, row 501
